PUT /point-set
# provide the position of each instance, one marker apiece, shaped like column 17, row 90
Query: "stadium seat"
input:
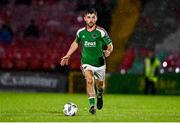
column 6, row 64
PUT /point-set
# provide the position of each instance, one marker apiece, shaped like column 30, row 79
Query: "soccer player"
column 92, row 39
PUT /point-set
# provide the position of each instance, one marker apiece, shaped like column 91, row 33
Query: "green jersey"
column 92, row 44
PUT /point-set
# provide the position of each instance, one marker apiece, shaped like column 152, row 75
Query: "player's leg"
column 99, row 74
column 90, row 90
column 100, row 85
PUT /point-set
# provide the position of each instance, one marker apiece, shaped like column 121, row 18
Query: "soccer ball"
column 70, row 109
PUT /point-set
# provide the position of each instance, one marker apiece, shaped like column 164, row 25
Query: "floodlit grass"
column 34, row 107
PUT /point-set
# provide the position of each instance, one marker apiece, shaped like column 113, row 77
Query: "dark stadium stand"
column 157, row 29
column 56, row 25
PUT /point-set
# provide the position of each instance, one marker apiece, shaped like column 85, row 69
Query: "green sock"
column 91, row 101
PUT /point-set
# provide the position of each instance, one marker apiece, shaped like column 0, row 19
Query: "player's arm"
column 109, row 49
column 72, row 49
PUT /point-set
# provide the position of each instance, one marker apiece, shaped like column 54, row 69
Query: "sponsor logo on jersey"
column 89, row 44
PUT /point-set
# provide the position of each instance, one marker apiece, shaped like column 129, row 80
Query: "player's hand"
column 107, row 53
column 64, row 60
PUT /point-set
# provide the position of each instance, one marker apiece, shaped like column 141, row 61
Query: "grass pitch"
column 35, row 107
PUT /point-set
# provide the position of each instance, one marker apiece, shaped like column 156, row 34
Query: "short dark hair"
column 90, row 11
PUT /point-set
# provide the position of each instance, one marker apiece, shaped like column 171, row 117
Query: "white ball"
column 70, row 109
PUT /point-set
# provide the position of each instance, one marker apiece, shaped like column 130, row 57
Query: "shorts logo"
column 89, row 44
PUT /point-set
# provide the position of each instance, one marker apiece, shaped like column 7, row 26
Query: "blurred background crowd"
column 35, row 34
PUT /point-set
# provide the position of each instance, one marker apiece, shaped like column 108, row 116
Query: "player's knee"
column 89, row 80
column 100, row 84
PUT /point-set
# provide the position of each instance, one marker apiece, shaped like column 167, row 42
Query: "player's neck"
column 90, row 29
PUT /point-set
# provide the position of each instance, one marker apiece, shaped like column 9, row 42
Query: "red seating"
column 54, row 41
column 21, row 65
column 6, row 64
column 128, row 59
column 48, row 65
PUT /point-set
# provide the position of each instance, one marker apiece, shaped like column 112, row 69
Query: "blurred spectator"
column 151, row 73
column 6, row 33
column 32, row 30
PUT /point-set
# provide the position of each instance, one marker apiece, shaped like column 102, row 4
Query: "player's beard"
column 90, row 24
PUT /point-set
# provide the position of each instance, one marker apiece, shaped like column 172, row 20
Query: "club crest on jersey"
column 94, row 35
column 89, row 44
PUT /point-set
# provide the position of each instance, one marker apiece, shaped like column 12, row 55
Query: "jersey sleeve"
column 77, row 38
column 106, row 38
